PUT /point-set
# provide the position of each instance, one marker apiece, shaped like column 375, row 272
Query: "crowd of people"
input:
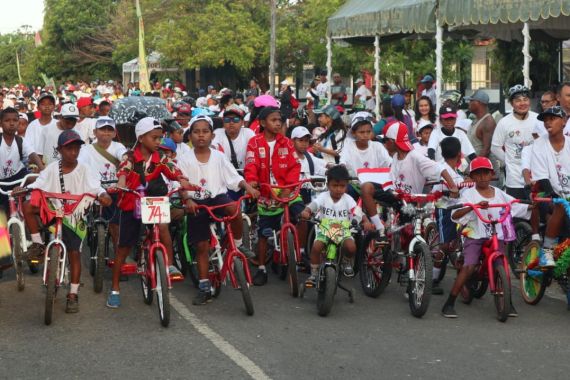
column 221, row 144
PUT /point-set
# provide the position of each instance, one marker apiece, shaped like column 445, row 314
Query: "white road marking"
column 218, row 341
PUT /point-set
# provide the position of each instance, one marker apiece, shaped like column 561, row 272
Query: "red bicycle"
column 226, row 259
column 494, row 266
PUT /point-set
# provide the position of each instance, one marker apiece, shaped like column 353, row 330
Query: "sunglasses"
column 234, row 119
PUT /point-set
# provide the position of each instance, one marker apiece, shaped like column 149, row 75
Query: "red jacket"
column 284, row 164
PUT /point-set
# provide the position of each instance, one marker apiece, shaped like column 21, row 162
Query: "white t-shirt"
column 34, row 134
column 222, row 143
column 513, row 135
column 48, row 151
column 327, row 143
column 182, row 149
column 322, row 90
column 80, row 181
column 375, row 156
column 430, row 94
column 85, row 129
column 526, row 157
column 320, row 166
column 474, row 227
column 457, row 178
column 344, row 209
column 363, row 92
column 10, row 157
column 215, row 176
column 437, row 136
column 554, row 166
column 410, row 174
column 105, row 170
column 423, row 149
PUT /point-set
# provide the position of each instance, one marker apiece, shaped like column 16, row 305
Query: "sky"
column 16, row 13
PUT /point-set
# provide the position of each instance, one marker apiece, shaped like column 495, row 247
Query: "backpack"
column 311, row 163
column 19, row 143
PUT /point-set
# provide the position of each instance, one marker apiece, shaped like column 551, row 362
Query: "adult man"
column 338, row 90
column 362, row 94
column 512, row 134
column 564, row 100
column 429, row 90
column 323, row 87
column 86, row 124
column 547, row 100
column 408, row 102
column 253, row 91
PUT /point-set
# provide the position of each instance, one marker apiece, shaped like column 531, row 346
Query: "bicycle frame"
column 151, row 243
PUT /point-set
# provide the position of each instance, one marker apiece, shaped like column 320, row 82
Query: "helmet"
column 518, row 89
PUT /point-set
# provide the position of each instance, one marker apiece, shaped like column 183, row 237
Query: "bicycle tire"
column 18, row 253
column 51, row 282
column 162, row 291
column 215, row 278
column 532, row 285
column 326, row 290
column 145, row 283
column 419, row 290
column 92, row 245
column 247, row 236
column 432, row 238
column 292, row 265
column 502, row 293
column 375, row 267
column 243, row 285
column 480, row 288
column 310, row 238
column 102, row 253
column 516, row 248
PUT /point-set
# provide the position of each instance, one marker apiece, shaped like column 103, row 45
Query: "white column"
column 377, row 74
column 329, row 67
column 527, row 57
column 438, row 62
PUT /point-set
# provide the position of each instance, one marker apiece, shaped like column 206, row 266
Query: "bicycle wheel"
column 18, row 252
column 215, row 278
column 326, row 290
column 375, row 266
column 52, row 276
column 502, row 293
column 92, row 245
column 516, row 248
column 243, row 285
column 431, row 236
column 419, row 290
column 102, row 252
column 162, row 291
column 145, row 281
column 532, row 281
column 292, row 265
column 480, row 288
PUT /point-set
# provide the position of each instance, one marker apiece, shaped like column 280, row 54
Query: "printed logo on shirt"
column 562, row 178
column 334, row 214
column 55, row 152
column 8, row 170
column 283, row 151
column 261, row 152
column 400, row 185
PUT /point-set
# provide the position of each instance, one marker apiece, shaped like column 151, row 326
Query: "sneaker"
column 513, row 312
column 348, row 270
column 248, row 253
column 114, row 300
column 72, row 305
column 448, row 311
column 175, row 274
column 203, row 297
column 36, row 252
column 311, row 281
column 260, row 278
column 436, row 289
column 546, row 259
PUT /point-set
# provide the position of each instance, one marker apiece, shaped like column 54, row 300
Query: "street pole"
column 143, row 70
column 272, row 42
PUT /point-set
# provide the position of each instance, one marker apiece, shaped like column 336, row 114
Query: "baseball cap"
column 358, row 80
column 406, row 91
column 480, row 163
column 46, row 95
column 398, row 100
column 203, row 117
column 424, row 124
column 23, row 116
column 300, row 132
column 427, row 78
column 554, row 111
column 398, row 132
column 480, row 96
column 67, row 137
column 168, row 144
column 234, row 109
column 146, row 125
column 105, row 122
column 447, row 112
column 84, row 102
column 330, row 111
column 185, row 109
column 265, row 101
column 69, row 111
column 360, row 118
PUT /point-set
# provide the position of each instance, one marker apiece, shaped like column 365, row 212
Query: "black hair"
column 387, row 110
column 431, row 114
column 218, row 122
column 338, row 173
column 104, row 103
column 337, row 125
column 8, row 111
column 266, row 111
column 450, row 147
column 398, row 113
column 225, row 100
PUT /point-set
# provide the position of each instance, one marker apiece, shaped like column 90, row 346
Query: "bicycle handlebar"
column 420, row 198
column 19, row 182
column 293, row 195
column 118, row 189
column 476, row 207
column 210, row 209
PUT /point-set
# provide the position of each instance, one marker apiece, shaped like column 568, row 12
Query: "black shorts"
column 70, row 239
column 111, row 213
column 4, row 203
column 199, row 224
column 129, row 229
column 446, row 227
column 273, row 222
column 518, row 193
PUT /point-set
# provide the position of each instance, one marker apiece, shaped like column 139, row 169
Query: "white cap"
column 359, row 80
column 105, row 121
column 300, row 132
column 70, row 111
column 424, row 123
column 146, row 125
column 23, row 116
column 285, row 82
column 203, row 117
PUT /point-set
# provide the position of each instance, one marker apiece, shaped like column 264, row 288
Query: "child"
column 526, row 158
column 215, row 175
column 336, row 206
column 65, row 175
column 232, row 139
column 46, row 106
column 177, row 136
column 475, row 231
column 310, row 165
column 271, row 159
column 22, row 124
column 49, row 149
column 142, row 167
column 424, row 132
column 448, row 119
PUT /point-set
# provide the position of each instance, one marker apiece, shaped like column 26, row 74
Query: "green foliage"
column 21, row 42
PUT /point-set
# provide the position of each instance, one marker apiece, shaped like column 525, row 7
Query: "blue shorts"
column 273, row 222
column 446, row 227
column 199, row 224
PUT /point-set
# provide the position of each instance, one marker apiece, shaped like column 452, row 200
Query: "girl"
column 330, row 143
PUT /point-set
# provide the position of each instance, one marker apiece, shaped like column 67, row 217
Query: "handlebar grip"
column 455, row 207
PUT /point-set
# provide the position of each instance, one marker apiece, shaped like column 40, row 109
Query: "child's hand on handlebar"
column 484, row 205
column 306, row 214
column 191, row 206
column 251, row 191
column 105, row 200
column 19, row 190
column 368, row 226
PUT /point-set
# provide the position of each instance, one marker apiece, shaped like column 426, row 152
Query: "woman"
column 285, row 98
column 398, row 104
column 329, row 144
column 425, row 110
column 387, row 117
column 312, row 96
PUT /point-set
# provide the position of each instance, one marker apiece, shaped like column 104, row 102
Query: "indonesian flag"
column 381, row 176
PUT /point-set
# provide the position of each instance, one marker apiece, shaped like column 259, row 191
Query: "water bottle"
column 508, row 227
column 137, row 210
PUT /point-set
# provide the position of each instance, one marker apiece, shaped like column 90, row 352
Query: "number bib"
column 155, row 210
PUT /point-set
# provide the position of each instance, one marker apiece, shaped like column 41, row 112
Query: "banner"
column 144, row 83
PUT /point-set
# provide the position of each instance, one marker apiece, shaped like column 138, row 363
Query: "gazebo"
column 131, row 68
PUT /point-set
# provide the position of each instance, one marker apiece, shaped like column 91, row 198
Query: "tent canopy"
column 153, row 62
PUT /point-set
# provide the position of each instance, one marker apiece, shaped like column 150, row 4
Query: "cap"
column 358, row 80
column 447, row 112
column 234, row 109
column 330, row 111
column 360, row 118
column 185, row 109
column 480, row 163
column 265, row 101
column 300, row 132
column 554, row 111
column 423, row 123
column 168, row 144
column 69, row 111
column 398, row 132
column 105, row 122
column 46, row 95
column 203, row 117
column 427, row 78
column 398, row 100
column 84, row 102
column 145, row 125
column 285, row 83
column 479, row 96
column 67, row 137
column 23, row 116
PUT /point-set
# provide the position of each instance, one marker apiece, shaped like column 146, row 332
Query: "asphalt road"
column 285, row 339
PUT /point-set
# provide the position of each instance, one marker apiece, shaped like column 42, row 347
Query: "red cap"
column 84, row 102
column 480, row 163
column 398, row 132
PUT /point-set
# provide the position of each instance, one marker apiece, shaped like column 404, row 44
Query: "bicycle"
column 225, row 258
column 494, row 267
column 331, row 268
column 17, row 231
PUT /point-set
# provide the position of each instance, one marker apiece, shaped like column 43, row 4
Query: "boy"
column 46, row 106
column 64, row 175
column 271, row 159
column 177, row 136
column 448, row 119
column 85, row 124
column 424, row 131
column 334, row 206
column 310, row 165
column 22, row 124
column 139, row 169
column 49, row 149
column 233, row 138
column 216, row 175
column 475, row 231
